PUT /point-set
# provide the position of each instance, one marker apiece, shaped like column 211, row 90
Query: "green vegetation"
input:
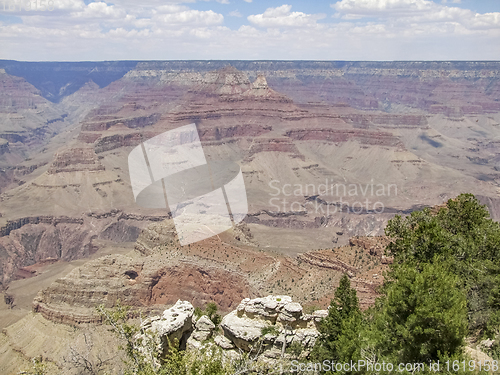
column 311, row 309
column 295, row 349
column 143, row 355
column 270, row 330
column 341, row 327
column 463, row 237
column 442, row 286
column 422, row 314
column 210, row 311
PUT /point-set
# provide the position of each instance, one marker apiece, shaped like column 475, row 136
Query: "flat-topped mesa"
column 231, row 84
column 281, row 145
column 72, row 299
column 76, row 159
column 232, row 81
column 144, row 283
column 261, row 90
column 226, row 81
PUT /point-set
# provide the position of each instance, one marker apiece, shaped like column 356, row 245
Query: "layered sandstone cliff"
column 223, row 269
column 76, row 159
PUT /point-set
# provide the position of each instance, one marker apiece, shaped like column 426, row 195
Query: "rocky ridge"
column 243, row 116
column 263, row 326
column 161, row 272
column 76, row 159
column 145, row 282
column 30, row 240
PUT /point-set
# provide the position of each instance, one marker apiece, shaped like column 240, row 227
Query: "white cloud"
column 134, row 4
column 171, row 8
column 69, row 5
column 247, row 1
column 408, row 14
column 235, row 13
column 362, row 30
column 122, row 33
column 100, row 10
column 339, row 41
column 383, row 7
column 190, row 17
column 283, row 16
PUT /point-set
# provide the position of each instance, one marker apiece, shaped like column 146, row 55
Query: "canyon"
column 318, row 144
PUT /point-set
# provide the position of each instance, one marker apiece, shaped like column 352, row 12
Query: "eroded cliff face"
column 302, row 132
column 429, row 129
column 32, row 128
column 33, row 240
column 364, row 85
column 239, row 114
column 456, row 87
column 26, row 117
column 224, row 269
column 76, row 159
column 144, row 283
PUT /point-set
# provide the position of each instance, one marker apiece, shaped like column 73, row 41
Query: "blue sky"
column 245, row 29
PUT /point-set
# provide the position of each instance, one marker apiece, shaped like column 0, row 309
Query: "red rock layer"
column 343, row 135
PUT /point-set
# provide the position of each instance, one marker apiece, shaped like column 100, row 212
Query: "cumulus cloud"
column 381, row 8
column 134, row 4
column 100, row 10
column 69, row 5
column 361, row 30
column 170, row 8
column 408, row 14
column 190, row 17
column 235, row 13
column 283, row 16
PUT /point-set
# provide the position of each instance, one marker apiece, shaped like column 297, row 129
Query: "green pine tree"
column 339, row 330
column 422, row 314
column 462, row 235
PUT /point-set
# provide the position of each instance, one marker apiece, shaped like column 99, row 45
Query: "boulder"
column 319, row 314
column 290, row 313
column 201, row 335
column 306, row 337
column 224, row 342
column 488, row 343
column 204, row 324
column 203, row 329
column 242, row 331
column 293, row 308
column 266, row 308
column 174, row 325
column 283, row 318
